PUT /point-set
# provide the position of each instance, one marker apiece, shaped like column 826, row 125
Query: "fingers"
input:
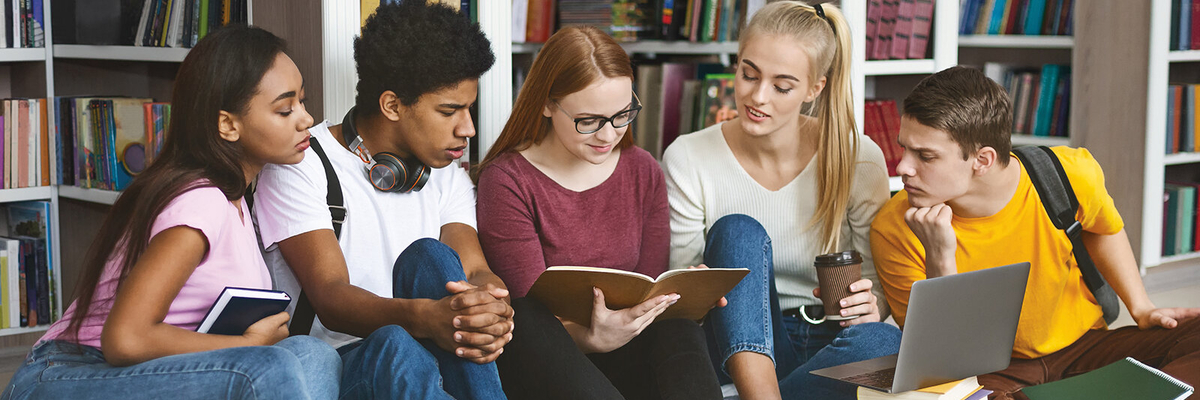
column 1165, row 321
column 722, row 302
column 701, row 266
column 647, row 318
column 455, row 287
column 865, row 318
column 472, row 297
column 279, row 319
column 863, row 285
column 598, row 301
column 485, row 353
column 648, row 305
column 496, row 291
column 479, row 340
column 499, row 308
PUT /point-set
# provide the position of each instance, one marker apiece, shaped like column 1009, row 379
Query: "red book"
column 1014, row 18
column 887, row 23
column 891, row 121
column 874, row 11
column 922, row 23
column 1195, row 27
column 903, row 29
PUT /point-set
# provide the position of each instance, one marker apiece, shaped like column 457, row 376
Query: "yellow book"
column 957, row 390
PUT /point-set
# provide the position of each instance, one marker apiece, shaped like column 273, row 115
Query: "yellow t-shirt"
column 1058, row 307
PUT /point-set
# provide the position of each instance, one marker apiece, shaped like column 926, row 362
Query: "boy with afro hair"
column 396, row 278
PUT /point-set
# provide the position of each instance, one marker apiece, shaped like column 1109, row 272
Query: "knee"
column 273, row 364
column 877, row 336
column 312, row 350
column 737, row 225
column 428, row 259
column 682, row 331
column 390, row 339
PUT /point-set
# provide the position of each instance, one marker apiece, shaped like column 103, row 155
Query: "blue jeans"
column 754, row 322
column 300, row 367
column 391, row 364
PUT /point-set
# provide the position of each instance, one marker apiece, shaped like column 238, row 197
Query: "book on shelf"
column 1179, row 213
column 24, row 143
column 1124, row 379
column 957, row 390
column 1040, row 97
column 105, row 141
column 151, row 23
column 698, row 21
column 567, row 291
column 881, row 123
column 1016, row 17
column 27, row 222
column 238, row 308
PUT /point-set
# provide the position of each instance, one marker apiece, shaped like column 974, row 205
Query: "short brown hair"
column 964, row 103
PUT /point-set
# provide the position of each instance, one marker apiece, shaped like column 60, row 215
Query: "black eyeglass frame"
column 636, row 107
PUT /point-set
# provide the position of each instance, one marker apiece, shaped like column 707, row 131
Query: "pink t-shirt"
column 233, row 259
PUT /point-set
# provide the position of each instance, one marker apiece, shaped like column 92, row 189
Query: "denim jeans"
column 391, row 364
column 754, row 322
column 300, row 367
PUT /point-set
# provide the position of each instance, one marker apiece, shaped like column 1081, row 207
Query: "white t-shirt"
column 291, row 200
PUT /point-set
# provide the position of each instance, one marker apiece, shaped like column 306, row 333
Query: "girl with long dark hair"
column 179, row 235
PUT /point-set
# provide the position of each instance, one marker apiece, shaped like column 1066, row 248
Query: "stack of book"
column 1040, row 97
column 27, row 284
column 680, row 98
column 24, row 143
column 1179, row 218
column 105, row 141
column 23, row 24
column 1181, row 118
column 699, row 21
column 881, row 123
column 898, row 29
column 1185, row 25
column 1016, row 17
column 966, row 389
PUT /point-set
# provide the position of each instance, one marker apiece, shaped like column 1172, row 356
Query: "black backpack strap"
column 1048, row 177
column 303, row 316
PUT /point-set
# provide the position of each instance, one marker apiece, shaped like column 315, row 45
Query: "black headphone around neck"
column 386, row 171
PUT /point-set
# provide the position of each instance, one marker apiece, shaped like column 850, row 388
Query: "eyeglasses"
column 589, row 125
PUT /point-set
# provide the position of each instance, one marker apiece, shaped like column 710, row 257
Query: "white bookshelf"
column 120, row 53
column 1017, row 41
column 653, row 47
column 1030, row 140
column 26, row 194
column 1181, row 56
column 24, row 329
column 90, row 195
column 899, row 67
column 22, row 55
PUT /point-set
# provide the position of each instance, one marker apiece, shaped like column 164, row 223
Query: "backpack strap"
column 302, row 318
column 1048, row 177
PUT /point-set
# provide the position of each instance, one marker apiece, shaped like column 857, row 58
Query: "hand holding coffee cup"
column 845, row 295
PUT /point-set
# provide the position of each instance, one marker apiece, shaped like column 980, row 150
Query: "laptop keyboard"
column 879, row 379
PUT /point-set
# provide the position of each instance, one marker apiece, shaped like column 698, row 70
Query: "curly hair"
column 413, row 48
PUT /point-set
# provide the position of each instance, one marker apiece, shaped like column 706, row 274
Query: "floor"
column 1166, row 288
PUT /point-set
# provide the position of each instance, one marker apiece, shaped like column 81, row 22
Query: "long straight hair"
column 573, row 59
column 826, row 41
column 221, row 73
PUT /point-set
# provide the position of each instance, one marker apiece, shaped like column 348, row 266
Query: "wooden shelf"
column 1017, row 41
column 652, row 47
column 1030, row 140
column 90, row 195
column 1183, row 56
column 24, row 329
column 899, row 67
column 895, row 184
column 23, row 55
column 25, row 194
column 123, row 53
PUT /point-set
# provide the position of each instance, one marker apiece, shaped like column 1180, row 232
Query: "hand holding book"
column 611, row 329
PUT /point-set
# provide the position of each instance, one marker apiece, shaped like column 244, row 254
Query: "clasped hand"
column 473, row 321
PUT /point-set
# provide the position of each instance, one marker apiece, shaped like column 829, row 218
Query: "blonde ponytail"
column 826, row 39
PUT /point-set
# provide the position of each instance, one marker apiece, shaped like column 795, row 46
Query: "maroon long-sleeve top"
column 528, row 222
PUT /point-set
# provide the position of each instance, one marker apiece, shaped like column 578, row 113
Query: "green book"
column 1124, row 379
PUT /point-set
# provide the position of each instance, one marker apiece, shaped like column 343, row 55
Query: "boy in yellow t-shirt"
column 968, row 204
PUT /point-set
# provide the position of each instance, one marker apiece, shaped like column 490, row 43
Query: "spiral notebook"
column 1124, row 379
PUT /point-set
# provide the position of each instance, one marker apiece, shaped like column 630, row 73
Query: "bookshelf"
column 98, row 196
column 1122, row 122
column 1016, row 41
column 120, row 53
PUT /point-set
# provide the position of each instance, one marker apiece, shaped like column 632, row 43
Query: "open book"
column 238, row 308
column 567, row 291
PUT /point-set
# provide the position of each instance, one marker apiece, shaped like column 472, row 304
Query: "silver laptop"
column 957, row 326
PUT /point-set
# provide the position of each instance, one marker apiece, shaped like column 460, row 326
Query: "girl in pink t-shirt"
column 179, row 235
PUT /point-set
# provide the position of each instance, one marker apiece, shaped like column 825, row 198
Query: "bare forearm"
column 1115, row 261
column 356, row 311
column 940, row 264
column 132, row 346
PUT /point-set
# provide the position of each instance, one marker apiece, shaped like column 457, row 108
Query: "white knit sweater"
column 705, row 182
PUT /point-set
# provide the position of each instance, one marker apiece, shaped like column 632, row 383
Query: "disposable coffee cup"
column 835, row 273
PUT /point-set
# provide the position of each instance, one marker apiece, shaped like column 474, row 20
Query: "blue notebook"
column 238, row 308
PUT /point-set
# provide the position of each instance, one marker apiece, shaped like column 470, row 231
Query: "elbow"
column 121, row 349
